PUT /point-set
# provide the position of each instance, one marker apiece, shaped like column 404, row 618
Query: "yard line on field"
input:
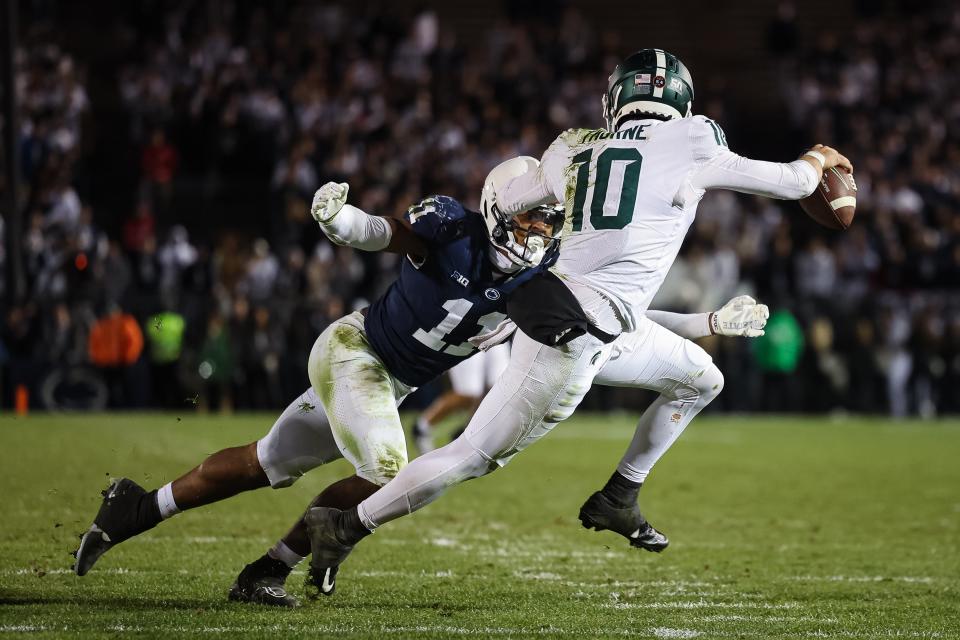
column 667, row 632
column 727, row 617
column 442, row 541
column 176, row 540
column 700, row 604
column 383, row 630
column 839, row 578
column 116, row 571
column 536, row 575
column 659, row 632
column 448, row 573
column 542, row 554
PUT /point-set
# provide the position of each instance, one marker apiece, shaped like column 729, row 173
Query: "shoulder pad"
column 704, row 125
column 572, row 137
column 436, row 218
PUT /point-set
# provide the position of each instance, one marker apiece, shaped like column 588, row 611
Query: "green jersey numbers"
column 628, row 188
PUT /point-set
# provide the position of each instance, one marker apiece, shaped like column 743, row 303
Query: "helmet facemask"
column 525, row 239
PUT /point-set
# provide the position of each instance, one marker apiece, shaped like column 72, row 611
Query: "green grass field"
column 780, row 528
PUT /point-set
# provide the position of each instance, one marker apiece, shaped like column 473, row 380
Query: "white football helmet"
column 503, row 230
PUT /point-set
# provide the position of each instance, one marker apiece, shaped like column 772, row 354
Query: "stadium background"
column 168, row 152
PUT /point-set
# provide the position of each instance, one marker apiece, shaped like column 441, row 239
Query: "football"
column 834, row 201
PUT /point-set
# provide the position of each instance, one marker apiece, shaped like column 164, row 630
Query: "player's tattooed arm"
column 404, row 240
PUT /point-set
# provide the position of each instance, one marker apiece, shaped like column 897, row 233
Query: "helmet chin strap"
column 502, row 262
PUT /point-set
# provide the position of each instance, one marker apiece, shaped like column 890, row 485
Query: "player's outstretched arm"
column 349, row 226
column 720, row 168
column 525, row 192
column 741, row 316
column 544, row 185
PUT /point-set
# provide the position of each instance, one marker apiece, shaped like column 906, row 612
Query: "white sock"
column 662, row 423
column 285, row 554
column 423, row 425
column 165, row 501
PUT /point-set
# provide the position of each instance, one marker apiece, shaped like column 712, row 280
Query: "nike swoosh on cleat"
column 635, row 534
column 326, row 586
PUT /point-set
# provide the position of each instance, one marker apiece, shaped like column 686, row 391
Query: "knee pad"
column 700, row 388
column 710, row 384
column 384, row 466
column 474, row 460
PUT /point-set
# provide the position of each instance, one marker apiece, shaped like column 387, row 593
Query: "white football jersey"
column 631, row 196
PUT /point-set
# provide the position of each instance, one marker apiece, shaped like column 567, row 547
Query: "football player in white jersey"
column 630, row 192
column 469, row 380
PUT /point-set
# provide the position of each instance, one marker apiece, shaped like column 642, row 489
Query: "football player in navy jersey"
column 448, row 303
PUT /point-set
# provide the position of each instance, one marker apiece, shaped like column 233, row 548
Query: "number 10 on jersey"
column 628, row 187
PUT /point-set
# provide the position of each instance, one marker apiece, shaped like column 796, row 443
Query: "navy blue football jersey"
column 420, row 326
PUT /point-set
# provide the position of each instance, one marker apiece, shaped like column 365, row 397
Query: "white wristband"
column 816, row 155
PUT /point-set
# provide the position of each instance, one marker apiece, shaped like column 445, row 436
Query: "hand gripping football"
column 834, row 201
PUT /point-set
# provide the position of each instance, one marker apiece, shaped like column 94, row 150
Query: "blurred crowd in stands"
column 256, row 109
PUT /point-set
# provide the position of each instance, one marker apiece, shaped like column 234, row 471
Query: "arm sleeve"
column 525, row 192
column 536, row 187
column 352, row 227
column 686, row 325
column 719, row 168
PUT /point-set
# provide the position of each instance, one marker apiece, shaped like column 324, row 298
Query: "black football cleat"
column 122, row 515
column 323, row 579
column 600, row 514
column 262, row 582
column 328, row 553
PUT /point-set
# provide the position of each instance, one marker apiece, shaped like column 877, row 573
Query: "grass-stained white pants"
column 350, row 410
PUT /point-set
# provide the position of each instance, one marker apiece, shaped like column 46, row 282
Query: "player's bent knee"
column 710, row 384
column 384, row 467
column 474, row 461
column 477, row 466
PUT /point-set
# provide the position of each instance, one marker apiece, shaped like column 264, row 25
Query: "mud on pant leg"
column 360, row 398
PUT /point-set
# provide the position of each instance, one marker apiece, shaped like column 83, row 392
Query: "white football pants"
column 350, row 411
column 543, row 386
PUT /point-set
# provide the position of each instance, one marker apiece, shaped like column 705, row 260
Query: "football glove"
column 741, row 316
column 328, row 200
